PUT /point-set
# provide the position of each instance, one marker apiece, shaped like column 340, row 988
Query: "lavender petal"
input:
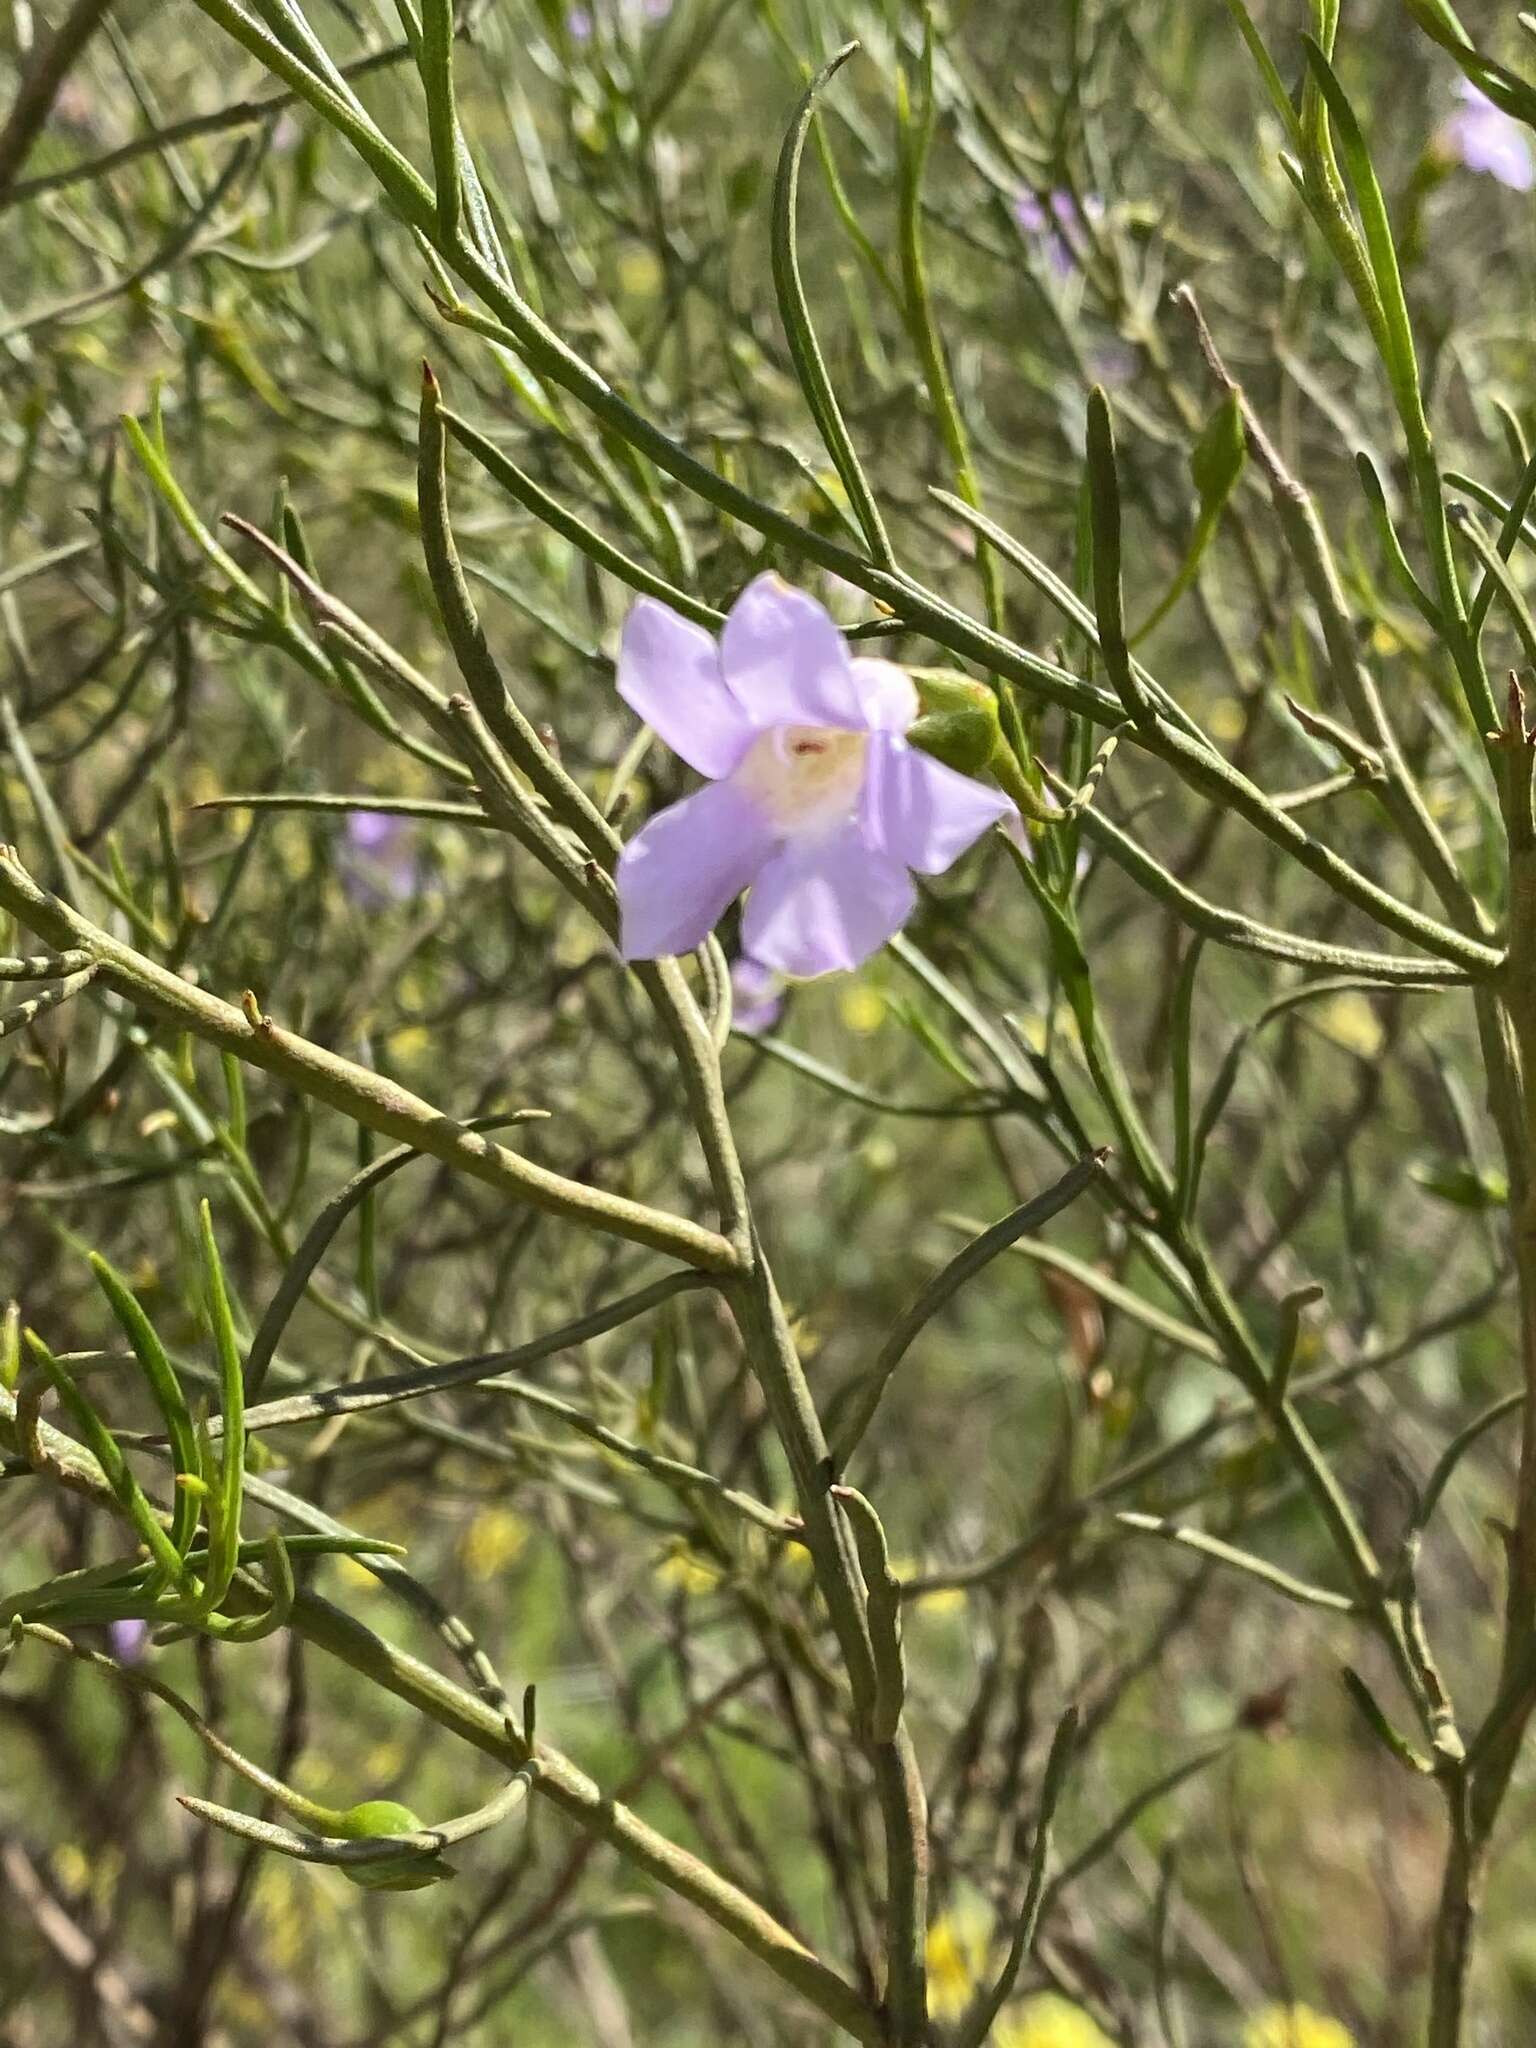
column 128, row 1640
column 886, row 692
column 676, row 877
column 669, row 672
column 757, row 997
column 784, row 660
column 920, row 813
column 825, row 904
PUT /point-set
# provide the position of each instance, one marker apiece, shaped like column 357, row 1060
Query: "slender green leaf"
column 795, row 311
column 165, row 1387
column 225, row 1500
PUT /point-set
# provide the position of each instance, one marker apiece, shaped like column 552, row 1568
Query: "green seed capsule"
column 411, row 1872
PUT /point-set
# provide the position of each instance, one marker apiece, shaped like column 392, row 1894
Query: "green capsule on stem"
column 959, row 724
column 410, row 1872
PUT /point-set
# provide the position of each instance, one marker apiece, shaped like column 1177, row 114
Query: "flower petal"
column 1029, row 212
column 128, row 1640
column 825, row 904
column 1491, row 141
column 785, row 662
column 372, row 831
column 1485, row 138
column 669, row 671
column 757, row 997
column 677, row 876
column 918, row 812
column 887, row 693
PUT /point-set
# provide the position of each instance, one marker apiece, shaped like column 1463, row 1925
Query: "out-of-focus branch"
column 367, row 1098
column 120, row 2010
column 477, row 1722
column 40, row 88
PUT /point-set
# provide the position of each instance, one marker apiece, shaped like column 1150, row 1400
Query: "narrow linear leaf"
column 1108, row 603
column 225, row 1522
column 795, row 312
column 1180, row 1054
column 977, row 2024
column 943, row 1287
column 322, row 1230
column 100, row 1441
column 165, row 1387
column 435, row 58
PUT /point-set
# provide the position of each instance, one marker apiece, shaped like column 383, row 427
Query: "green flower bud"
column 959, row 722
column 377, row 1817
column 406, row 1873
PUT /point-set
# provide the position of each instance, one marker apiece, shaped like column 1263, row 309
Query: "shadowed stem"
column 755, row 1305
column 765, row 1332
column 1475, row 1791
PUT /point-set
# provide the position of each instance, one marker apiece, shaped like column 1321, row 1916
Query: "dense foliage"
column 415, row 1304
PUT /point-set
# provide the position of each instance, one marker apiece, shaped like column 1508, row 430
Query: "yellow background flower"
column 1295, row 2026
column 957, row 1957
column 1048, row 2022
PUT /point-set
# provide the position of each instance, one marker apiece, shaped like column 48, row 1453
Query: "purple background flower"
column 1485, row 138
column 128, row 1640
column 378, row 862
column 373, row 831
column 1056, row 224
column 1112, row 363
column 579, row 22
column 757, row 997
column 815, row 800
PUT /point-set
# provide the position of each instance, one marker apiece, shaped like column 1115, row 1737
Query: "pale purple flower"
column 1055, row 225
column 128, row 1640
column 1485, row 138
column 815, row 801
column 373, row 831
column 757, row 997
column 379, row 861
column 1112, row 363
column 579, row 21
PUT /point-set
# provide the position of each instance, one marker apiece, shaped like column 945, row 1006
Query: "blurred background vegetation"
column 176, row 245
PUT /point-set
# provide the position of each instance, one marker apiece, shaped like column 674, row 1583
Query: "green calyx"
column 959, row 724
